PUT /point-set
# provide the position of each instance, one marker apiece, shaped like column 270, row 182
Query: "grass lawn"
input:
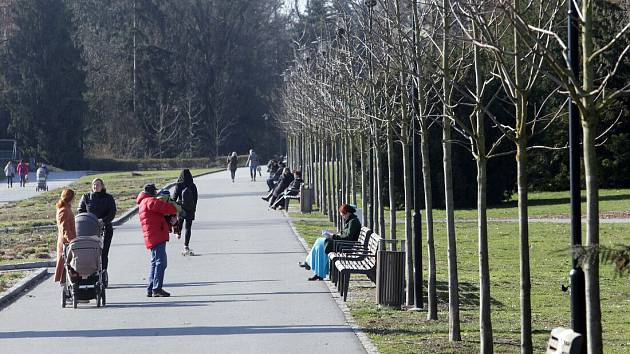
column 396, row 331
column 8, row 279
column 614, row 203
column 28, row 243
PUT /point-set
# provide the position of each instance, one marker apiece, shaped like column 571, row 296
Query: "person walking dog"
column 155, row 229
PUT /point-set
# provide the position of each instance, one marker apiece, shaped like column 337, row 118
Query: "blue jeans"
column 252, row 171
column 158, row 266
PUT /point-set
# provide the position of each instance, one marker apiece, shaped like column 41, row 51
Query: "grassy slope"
column 406, row 332
column 30, row 244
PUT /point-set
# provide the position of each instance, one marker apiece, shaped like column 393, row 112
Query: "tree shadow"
column 167, row 304
column 259, row 293
column 178, row 331
column 468, row 294
column 188, row 284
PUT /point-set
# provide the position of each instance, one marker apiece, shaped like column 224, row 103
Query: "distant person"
column 9, row 171
column 186, row 195
column 273, row 179
column 44, row 169
column 252, row 162
column 155, row 229
column 317, row 259
column 66, row 231
column 22, row 171
column 101, row 204
column 232, row 164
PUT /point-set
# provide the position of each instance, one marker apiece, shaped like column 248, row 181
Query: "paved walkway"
column 243, row 293
column 55, row 180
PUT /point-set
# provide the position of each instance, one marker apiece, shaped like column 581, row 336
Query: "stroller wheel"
column 63, row 297
column 98, row 300
column 74, row 301
column 103, row 297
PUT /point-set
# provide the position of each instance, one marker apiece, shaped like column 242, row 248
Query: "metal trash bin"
column 390, row 273
column 306, row 199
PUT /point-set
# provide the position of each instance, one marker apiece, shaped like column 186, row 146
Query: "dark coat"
column 233, row 163
column 283, row 183
column 350, row 232
column 295, row 185
column 101, row 204
column 186, row 194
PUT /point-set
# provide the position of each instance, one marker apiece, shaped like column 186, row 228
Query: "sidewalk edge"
column 22, row 287
column 367, row 344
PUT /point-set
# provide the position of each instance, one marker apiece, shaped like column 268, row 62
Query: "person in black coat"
column 186, row 195
column 275, row 171
column 293, row 189
column 285, row 180
column 101, row 204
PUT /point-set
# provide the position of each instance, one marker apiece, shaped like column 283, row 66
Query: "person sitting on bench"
column 283, row 182
column 275, row 172
column 293, row 189
column 317, row 259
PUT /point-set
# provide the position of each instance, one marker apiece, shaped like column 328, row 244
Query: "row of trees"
column 492, row 77
column 133, row 78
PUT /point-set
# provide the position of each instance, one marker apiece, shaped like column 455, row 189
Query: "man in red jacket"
column 155, row 229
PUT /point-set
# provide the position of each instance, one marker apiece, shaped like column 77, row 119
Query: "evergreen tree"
column 45, row 83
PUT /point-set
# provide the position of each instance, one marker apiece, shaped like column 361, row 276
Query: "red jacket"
column 22, row 169
column 154, row 226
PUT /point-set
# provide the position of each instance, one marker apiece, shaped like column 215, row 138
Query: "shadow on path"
column 188, row 284
column 177, row 331
column 169, row 303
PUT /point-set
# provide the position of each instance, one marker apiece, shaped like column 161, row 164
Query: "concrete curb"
column 367, row 344
column 31, row 265
column 19, row 289
column 133, row 211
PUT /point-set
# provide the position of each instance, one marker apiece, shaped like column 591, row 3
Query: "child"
column 172, row 220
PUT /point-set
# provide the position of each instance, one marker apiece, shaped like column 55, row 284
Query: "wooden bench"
column 357, row 262
column 341, row 248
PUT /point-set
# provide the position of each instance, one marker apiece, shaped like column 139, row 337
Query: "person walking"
column 252, row 162
column 151, row 211
column 232, row 163
column 186, row 195
column 101, row 204
column 66, row 231
column 9, row 171
column 22, row 171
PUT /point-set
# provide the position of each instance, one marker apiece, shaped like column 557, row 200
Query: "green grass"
column 613, row 204
column 396, row 331
column 124, row 186
column 29, row 244
column 8, row 279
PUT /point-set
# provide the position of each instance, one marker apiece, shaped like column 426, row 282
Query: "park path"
column 55, row 180
column 243, row 293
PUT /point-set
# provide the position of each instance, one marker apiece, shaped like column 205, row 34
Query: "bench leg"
column 346, row 286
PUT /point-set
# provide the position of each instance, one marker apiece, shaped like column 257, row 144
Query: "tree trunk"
column 523, row 223
column 485, row 323
column 432, row 313
column 408, row 179
column 364, row 201
column 590, row 121
column 453, row 279
column 390, row 180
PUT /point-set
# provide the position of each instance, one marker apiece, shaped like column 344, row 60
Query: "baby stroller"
column 42, row 179
column 82, row 260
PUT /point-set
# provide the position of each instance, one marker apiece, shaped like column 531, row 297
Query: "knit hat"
column 150, row 189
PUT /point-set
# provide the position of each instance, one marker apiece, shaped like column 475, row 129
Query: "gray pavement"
column 243, row 293
column 55, row 180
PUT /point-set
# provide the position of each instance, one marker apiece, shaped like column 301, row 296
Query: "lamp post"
column 576, row 276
